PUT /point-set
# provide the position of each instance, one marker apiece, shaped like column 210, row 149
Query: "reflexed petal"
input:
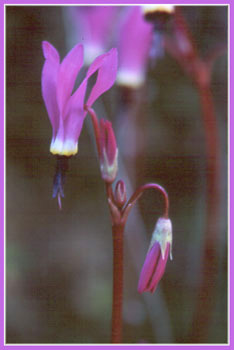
column 49, row 83
column 50, row 52
column 148, row 267
column 68, row 71
column 107, row 68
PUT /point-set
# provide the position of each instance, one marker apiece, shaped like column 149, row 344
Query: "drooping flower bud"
column 108, row 151
column 156, row 258
column 120, row 193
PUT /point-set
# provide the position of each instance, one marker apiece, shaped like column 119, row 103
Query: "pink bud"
column 120, row 194
column 108, row 151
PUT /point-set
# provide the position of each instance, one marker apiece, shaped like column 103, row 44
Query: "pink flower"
column 93, row 26
column 156, row 258
column 66, row 110
column 134, row 43
column 108, row 151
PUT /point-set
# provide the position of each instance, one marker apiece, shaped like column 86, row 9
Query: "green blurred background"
column 59, row 263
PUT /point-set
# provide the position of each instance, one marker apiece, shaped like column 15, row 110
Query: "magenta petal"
column 160, row 269
column 68, row 71
column 148, row 267
column 49, row 83
column 107, row 68
column 75, row 113
column 50, row 52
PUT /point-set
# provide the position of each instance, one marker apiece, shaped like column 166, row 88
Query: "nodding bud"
column 157, row 256
column 108, row 152
column 120, row 194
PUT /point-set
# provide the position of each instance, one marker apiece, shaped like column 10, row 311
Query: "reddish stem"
column 206, row 298
column 138, row 193
column 117, row 232
column 200, row 72
column 117, row 292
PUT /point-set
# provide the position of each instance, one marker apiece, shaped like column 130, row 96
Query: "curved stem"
column 138, row 193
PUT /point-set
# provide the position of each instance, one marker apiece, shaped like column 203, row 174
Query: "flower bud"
column 157, row 255
column 108, row 151
column 120, row 194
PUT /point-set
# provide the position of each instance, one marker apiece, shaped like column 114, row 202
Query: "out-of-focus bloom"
column 156, row 258
column 108, row 151
column 66, row 110
column 93, row 26
column 158, row 16
column 182, row 47
column 149, row 10
column 134, row 42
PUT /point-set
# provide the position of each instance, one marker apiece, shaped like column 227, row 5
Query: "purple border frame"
column 231, row 166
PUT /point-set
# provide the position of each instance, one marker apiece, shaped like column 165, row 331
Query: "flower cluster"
column 67, row 110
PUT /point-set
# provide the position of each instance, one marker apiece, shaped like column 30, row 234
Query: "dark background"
column 59, row 263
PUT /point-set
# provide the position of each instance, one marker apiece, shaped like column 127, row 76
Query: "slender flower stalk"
column 119, row 210
column 199, row 70
column 117, row 304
